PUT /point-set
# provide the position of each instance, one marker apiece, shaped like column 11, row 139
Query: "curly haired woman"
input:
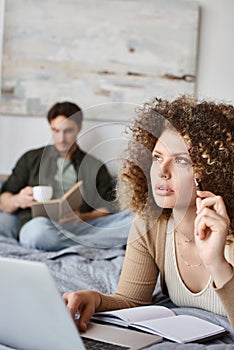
column 180, row 231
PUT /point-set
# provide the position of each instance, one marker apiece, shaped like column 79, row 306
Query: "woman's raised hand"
column 84, row 303
column 211, row 228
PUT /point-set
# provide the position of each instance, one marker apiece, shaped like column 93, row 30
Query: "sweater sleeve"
column 226, row 292
column 139, row 273
column 226, row 296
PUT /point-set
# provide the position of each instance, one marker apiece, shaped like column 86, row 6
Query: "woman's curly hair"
column 207, row 129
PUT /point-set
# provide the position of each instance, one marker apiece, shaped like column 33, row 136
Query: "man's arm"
column 106, row 190
column 15, row 192
column 10, row 202
column 98, row 187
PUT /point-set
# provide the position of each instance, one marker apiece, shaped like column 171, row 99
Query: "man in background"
column 60, row 165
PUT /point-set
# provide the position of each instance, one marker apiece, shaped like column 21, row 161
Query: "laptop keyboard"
column 93, row 344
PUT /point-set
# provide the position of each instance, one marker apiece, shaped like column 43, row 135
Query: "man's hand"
column 94, row 214
column 11, row 202
column 24, row 198
column 74, row 217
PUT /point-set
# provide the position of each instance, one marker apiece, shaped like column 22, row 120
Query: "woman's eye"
column 182, row 160
column 157, row 158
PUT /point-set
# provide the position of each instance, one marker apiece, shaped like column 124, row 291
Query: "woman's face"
column 171, row 173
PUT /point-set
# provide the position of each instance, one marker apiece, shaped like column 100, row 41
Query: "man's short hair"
column 67, row 109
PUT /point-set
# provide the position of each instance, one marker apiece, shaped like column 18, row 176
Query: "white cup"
column 42, row 193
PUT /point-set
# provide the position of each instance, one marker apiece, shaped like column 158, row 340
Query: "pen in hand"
column 202, row 235
column 198, row 184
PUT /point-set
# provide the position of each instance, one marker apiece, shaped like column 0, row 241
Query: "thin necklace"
column 188, row 264
column 187, row 239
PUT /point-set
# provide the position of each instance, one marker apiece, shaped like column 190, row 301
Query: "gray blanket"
column 83, row 267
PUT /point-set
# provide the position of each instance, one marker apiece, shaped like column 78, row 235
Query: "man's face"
column 64, row 133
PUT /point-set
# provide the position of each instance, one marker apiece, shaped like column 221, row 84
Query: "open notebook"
column 162, row 321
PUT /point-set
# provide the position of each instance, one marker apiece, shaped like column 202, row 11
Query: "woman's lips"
column 163, row 190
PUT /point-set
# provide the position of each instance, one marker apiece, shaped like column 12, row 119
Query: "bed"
column 89, row 266
column 86, row 267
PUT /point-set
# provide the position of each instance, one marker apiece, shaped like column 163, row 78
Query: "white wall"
column 215, row 81
column 216, row 51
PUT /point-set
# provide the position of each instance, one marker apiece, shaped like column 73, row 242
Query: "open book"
column 162, row 321
column 55, row 209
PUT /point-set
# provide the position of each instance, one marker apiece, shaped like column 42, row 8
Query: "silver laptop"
column 33, row 315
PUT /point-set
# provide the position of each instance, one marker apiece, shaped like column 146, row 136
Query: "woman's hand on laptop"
column 84, row 303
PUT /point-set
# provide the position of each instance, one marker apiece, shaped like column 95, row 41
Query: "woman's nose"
column 165, row 170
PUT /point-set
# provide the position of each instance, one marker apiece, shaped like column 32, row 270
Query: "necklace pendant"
column 186, row 238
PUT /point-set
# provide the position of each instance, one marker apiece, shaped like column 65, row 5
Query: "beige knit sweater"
column 143, row 261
